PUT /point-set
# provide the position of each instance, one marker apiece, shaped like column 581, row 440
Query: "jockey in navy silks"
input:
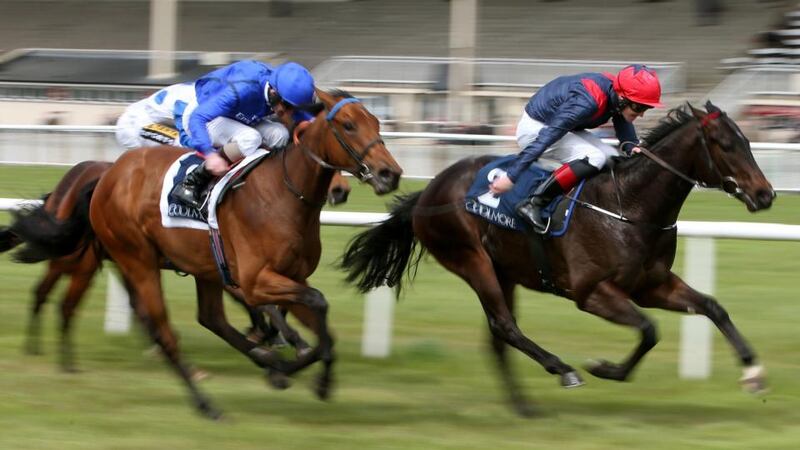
column 237, row 109
column 555, row 121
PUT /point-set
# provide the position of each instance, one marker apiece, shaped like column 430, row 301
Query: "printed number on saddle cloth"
column 157, row 132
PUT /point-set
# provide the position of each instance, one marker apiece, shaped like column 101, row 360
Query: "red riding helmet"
column 638, row 83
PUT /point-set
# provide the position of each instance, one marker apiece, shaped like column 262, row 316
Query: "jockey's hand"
column 636, row 149
column 500, row 185
column 216, row 164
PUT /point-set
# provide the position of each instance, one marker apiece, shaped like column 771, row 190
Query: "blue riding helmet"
column 293, row 83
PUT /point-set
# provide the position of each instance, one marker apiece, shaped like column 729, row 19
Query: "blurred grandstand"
column 745, row 60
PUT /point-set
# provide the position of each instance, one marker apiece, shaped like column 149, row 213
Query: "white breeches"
column 222, row 130
column 157, row 108
column 573, row 146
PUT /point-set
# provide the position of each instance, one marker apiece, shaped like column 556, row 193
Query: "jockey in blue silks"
column 237, row 109
column 555, row 121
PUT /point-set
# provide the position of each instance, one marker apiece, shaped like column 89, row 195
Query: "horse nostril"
column 388, row 177
column 765, row 197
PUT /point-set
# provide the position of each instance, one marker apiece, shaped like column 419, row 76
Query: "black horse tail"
column 46, row 237
column 8, row 239
column 380, row 255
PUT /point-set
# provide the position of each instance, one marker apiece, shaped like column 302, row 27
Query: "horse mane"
column 340, row 93
column 675, row 118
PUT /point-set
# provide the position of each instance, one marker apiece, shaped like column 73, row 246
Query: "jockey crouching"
column 555, row 121
column 239, row 108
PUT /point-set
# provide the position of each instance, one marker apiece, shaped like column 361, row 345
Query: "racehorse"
column 605, row 263
column 82, row 265
column 269, row 225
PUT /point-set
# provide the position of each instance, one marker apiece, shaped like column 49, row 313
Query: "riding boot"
column 559, row 182
column 531, row 208
column 188, row 191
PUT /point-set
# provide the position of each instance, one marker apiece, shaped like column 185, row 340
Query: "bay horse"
column 605, row 263
column 270, row 228
column 80, row 267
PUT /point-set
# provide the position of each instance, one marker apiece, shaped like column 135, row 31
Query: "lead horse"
column 606, row 262
column 270, row 227
column 81, row 266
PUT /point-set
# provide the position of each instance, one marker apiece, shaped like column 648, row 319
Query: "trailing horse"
column 269, row 226
column 606, row 263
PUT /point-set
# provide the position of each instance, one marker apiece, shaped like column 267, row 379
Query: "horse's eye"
column 349, row 126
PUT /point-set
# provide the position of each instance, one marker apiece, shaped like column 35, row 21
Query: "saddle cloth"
column 178, row 215
column 500, row 210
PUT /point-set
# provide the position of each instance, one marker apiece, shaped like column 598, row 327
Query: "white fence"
column 699, row 263
column 696, row 331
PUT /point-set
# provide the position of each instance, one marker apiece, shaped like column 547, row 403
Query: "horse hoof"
column 754, row 380
column 323, row 388
column 605, row 370
column 199, row 374
column 303, row 352
column 571, row 380
column 278, row 380
column 525, row 409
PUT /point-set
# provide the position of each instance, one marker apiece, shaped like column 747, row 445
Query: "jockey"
column 133, row 126
column 554, row 124
column 237, row 109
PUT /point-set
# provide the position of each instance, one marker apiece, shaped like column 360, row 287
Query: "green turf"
column 438, row 390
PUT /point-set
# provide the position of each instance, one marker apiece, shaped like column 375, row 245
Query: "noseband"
column 361, row 170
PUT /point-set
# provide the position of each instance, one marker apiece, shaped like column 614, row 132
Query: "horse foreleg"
column 676, row 295
column 273, row 288
column 32, row 340
column 79, row 283
column 611, row 303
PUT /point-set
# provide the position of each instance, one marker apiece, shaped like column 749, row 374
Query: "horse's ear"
column 697, row 113
column 312, row 108
column 327, row 99
column 710, row 107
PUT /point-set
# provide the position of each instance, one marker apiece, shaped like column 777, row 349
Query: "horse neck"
column 308, row 176
column 651, row 193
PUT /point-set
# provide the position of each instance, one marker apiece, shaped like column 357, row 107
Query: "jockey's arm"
column 626, row 133
column 209, row 109
column 569, row 116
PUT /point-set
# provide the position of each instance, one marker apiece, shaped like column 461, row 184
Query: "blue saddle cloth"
column 500, row 211
column 175, row 208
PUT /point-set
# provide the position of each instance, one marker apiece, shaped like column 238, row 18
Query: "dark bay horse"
column 603, row 264
column 270, row 227
column 82, row 265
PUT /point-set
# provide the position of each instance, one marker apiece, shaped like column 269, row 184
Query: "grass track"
column 438, row 390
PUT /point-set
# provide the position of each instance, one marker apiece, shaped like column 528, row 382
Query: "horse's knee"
column 314, row 299
column 649, row 333
column 714, row 311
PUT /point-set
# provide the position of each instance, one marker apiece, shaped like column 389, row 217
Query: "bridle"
column 727, row 184
column 361, row 170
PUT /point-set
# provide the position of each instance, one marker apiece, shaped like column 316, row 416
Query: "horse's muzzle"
column 762, row 199
column 385, row 181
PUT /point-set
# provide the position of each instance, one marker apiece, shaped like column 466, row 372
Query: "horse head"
column 338, row 190
column 352, row 142
column 730, row 164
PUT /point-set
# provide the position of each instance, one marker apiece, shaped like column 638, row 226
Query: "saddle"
column 501, row 211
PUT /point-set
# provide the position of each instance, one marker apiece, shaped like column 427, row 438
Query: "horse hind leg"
column 520, row 403
column 143, row 276
column 79, row 284
column 43, row 289
column 676, row 295
column 611, row 303
column 476, row 269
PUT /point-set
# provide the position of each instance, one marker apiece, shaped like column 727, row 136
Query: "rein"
column 728, row 183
